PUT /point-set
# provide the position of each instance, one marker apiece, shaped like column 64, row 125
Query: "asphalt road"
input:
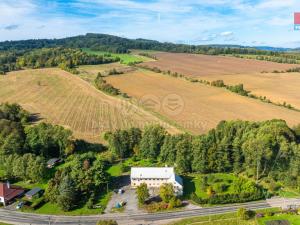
column 147, row 218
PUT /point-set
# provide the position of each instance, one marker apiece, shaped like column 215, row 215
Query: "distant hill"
column 274, row 49
column 121, row 45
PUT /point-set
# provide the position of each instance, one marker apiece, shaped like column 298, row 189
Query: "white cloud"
column 226, row 33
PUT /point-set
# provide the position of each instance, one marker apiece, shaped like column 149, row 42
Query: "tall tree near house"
column 142, row 193
column 152, row 140
column 184, row 155
column 166, row 192
column 67, row 194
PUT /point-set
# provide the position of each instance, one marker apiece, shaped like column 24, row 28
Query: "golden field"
column 203, row 106
column 61, row 98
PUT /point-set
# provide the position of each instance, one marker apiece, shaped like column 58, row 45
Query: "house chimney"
column 8, row 185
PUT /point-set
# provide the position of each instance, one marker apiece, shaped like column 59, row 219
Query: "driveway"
column 129, row 196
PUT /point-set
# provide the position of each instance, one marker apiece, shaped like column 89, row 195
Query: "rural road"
column 141, row 218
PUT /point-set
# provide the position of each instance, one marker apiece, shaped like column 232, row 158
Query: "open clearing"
column 196, row 107
column 65, row 99
column 201, row 65
column 125, row 58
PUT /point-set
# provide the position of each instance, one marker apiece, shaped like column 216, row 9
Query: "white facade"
column 154, row 177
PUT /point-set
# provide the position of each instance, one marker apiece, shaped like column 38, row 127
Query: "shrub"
column 107, row 222
column 220, row 187
column 38, row 203
column 245, row 214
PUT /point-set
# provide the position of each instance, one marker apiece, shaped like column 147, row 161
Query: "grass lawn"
column 4, row 223
column 115, row 170
column 287, row 193
column 293, row 219
column 50, row 208
column 27, row 185
column 125, row 58
column 193, row 183
column 222, row 219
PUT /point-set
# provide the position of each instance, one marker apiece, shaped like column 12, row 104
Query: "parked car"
column 120, row 204
column 20, row 205
column 121, row 191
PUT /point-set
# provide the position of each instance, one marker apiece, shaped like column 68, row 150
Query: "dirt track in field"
column 62, row 98
column 203, row 106
column 206, row 65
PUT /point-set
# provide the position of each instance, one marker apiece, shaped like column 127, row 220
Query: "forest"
column 114, row 44
column 65, row 58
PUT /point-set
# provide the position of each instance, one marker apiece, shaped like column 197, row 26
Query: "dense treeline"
column 102, row 85
column 278, row 57
column 116, row 44
column 66, row 58
column 259, row 150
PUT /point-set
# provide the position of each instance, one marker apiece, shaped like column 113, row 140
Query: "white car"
column 20, row 205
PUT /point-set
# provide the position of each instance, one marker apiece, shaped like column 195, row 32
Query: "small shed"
column 35, row 192
column 52, row 162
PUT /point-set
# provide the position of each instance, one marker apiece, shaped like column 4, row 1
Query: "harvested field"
column 277, row 87
column 62, row 98
column 206, row 65
column 195, row 106
column 89, row 72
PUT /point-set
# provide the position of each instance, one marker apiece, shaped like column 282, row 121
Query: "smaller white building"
column 154, row 177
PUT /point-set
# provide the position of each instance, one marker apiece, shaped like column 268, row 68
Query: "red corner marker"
column 297, row 18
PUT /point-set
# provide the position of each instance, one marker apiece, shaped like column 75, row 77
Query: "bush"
column 245, row 214
column 107, row 222
column 174, row 203
column 91, row 201
column 228, row 198
column 220, row 187
column 38, row 203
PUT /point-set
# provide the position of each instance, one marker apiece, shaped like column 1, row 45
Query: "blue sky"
column 245, row 22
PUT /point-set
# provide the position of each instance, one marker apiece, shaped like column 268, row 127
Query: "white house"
column 154, row 177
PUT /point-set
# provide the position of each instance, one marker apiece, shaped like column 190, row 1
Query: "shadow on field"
column 35, row 117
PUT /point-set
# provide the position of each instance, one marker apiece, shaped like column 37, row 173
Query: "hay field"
column 279, row 88
column 203, row 106
column 89, row 72
column 206, row 65
column 65, row 99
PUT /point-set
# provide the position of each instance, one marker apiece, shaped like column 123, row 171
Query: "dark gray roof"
column 52, row 161
column 33, row 191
